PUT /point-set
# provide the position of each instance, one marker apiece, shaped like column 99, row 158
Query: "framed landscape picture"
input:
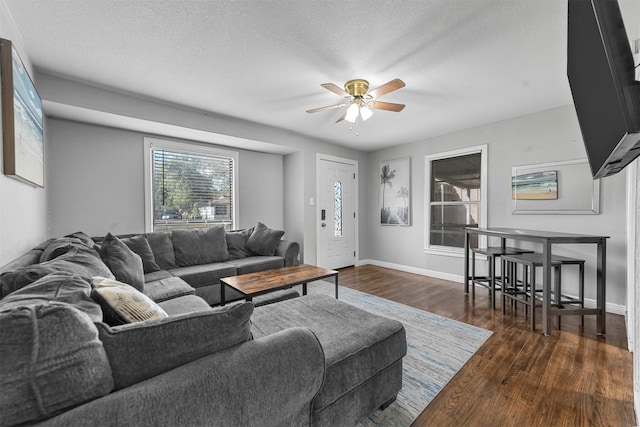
column 395, row 192
column 22, row 120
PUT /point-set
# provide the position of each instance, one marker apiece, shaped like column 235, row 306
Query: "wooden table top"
column 261, row 281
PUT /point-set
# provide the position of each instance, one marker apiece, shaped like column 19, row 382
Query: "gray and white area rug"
column 437, row 347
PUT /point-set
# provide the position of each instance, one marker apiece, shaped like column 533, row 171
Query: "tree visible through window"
column 191, row 190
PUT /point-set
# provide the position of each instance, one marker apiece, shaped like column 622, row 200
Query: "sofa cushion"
column 156, row 275
column 82, row 261
column 162, row 248
column 264, row 240
column 140, row 245
column 122, row 303
column 56, row 287
column 204, row 275
column 143, row 350
column 50, row 359
column 256, row 263
column 357, row 344
column 125, row 264
column 237, row 242
column 184, row 304
column 195, row 247
column 168, row 288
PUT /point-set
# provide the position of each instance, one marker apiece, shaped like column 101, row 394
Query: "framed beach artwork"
column 565, row 187
column 395, row 192
column 22, row 120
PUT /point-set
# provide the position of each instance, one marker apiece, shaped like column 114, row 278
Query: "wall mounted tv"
column 601, row 74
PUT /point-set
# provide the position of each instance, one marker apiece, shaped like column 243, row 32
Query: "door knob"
column 324, row 225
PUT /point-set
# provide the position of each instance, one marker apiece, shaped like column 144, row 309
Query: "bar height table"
column 547, row 239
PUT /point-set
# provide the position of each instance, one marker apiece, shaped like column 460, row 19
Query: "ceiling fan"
column 361, row 101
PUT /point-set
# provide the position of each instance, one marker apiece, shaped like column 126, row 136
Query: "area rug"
column 437, row 347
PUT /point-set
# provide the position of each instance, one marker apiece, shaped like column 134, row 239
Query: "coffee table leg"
column 336, row 279
column 221, row 293
column 304, row 289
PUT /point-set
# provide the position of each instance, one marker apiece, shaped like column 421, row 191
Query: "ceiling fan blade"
column 394, row 84
column 330, row 107
column 388, row 106
column 335, row 89
column 341, row 118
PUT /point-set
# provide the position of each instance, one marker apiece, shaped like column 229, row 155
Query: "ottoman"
column 363, row 354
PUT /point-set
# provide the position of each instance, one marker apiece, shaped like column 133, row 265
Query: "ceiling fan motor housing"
column 356, row 88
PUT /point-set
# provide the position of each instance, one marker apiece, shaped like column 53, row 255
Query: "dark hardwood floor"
column 517, row 378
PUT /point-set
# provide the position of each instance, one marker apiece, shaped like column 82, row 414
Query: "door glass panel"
column 337, row 203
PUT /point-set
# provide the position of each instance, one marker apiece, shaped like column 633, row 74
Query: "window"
column 188, row 186
column 456, row 198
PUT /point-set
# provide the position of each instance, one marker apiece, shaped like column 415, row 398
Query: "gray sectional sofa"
column 78, row 348
column 202, row 257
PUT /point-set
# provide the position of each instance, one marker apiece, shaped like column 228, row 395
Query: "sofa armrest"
column 270, row 381
column 289, row 250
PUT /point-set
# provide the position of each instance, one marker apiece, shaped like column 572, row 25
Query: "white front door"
column 336, row 213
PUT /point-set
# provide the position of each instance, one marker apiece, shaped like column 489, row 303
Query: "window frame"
column 185, row 147
column 483, row 203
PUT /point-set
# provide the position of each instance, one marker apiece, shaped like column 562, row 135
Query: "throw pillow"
column 125, row 264
column 237, row 242
column 56, row 287
column 263, row 240
column 79, row 260
column 143, row 350
column 60, row 246
column 162, row 248
column 122, row 303
column 197, row 247
column 51, row 360
column 140, row 245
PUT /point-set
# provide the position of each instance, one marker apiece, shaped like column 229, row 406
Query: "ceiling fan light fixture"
column 352, row 113
column 365, row 112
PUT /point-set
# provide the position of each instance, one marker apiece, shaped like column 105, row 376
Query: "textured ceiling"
column 465, row 62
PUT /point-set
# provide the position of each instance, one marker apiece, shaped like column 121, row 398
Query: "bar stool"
column 524, row 290
column 491, row 281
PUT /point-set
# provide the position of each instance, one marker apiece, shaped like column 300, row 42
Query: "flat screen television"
column 601, row 74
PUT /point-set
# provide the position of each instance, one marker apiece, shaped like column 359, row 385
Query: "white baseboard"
column 590, row 303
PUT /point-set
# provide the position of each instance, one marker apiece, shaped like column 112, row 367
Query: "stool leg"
column 473, row 276
column 581, row 289
column 532, row 292
column 492, row 278
column 558, row 293
column 504, row 295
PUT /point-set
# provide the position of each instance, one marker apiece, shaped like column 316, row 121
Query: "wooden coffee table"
column 261, row 282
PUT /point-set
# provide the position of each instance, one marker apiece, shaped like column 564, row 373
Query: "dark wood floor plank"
column 517, row 378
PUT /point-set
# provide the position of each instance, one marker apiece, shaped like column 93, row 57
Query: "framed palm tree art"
column 395, row 192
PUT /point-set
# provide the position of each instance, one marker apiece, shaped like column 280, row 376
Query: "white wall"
column 97, row 105
column 547, row 136
column 23, row 208
column 97, row 182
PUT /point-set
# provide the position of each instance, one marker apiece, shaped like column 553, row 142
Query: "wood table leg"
column 336, row 280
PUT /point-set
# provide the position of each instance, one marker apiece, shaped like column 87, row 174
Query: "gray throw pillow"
column 142, row 350
column 197, row 247
column 237, row 242
column 79, row 260
column 162, row 248
column 263, row 240
column 52, row 360
column 61, row 246
column 56, row 287
column 125, row 264
column 140, row 245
